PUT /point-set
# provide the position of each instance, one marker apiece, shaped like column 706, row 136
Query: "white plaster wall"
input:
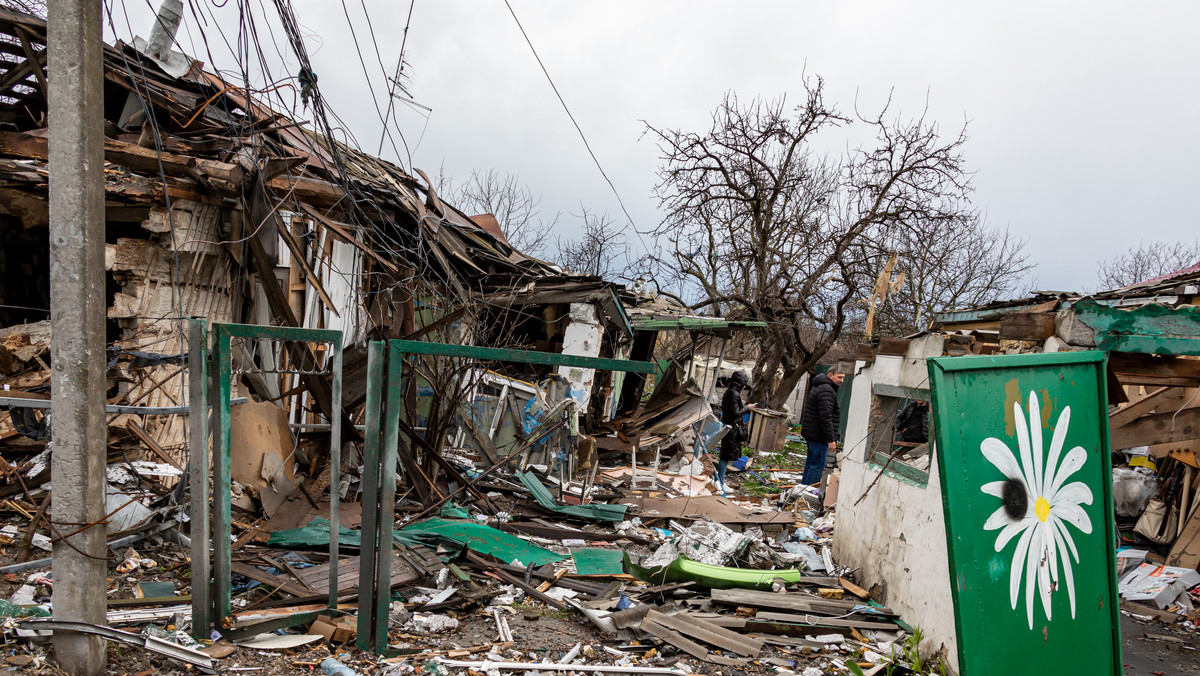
column 896, row 534
column 582, row 338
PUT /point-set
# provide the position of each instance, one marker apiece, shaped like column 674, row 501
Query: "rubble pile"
column 532, row 575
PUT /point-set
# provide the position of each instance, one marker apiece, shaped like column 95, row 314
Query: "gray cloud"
column 1080, row 113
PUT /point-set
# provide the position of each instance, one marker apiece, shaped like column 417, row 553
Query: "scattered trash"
column 279, row 641
column 430, row 623
column 332, row 667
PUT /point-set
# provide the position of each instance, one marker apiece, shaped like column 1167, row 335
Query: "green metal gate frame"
column 209, row 372
column 380, row 454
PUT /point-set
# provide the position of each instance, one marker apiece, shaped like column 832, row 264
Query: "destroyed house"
column 220, row 208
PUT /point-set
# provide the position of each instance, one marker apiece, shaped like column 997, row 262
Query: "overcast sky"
column 1081, row 115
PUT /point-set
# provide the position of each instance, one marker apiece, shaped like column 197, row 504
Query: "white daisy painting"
column 1039, row 508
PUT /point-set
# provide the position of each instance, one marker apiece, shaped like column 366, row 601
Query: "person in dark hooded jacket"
column 732, row 413
column 819, row 424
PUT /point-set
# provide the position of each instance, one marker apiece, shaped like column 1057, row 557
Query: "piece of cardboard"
column 1185, row 553
column 1158, row 585
column 335, row 630
column 831, row 488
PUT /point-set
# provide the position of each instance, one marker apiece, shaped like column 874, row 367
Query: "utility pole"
column 77, row 381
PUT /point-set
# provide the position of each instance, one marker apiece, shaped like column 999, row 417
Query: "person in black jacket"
column 819, row 424
column 913, row 424
column 732, row 413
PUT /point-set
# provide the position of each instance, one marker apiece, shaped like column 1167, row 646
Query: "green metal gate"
column 209, row 385
column 384, row 403
column 1022, row 452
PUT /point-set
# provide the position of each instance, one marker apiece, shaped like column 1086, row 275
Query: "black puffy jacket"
column 821, row 412
column 732, row 412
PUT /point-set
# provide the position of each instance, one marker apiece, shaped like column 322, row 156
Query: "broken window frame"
column 886, row 403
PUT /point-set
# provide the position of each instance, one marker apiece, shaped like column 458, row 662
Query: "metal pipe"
column 549, row 666
column 21, row 402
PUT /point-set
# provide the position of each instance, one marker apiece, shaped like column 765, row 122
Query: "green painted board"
column 1152, row 329
column 1023, row 459
column 595, row 511
column 485, row 540
column 595, row 561
column 521, row 356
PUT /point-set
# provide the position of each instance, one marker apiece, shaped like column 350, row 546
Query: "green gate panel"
column 1022, row 453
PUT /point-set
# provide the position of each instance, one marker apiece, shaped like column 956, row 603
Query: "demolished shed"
column 1148, row 335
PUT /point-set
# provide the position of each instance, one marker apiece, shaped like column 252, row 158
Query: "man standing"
column 819, row 424
column 913, row 424
column 733, row 411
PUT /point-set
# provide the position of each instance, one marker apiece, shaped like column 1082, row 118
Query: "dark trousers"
column 814, row 466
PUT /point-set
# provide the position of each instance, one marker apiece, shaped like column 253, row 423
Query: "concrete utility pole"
column 77, row 380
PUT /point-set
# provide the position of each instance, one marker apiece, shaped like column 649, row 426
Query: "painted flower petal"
column 1066, row 562
column 1023, row 447
column 1031, row 563
column 1010, row 531
column 1074, row 515
column 1056, row 445
column 1074, row 493
column 1018, row 563
column 998, row 453
column 998, row 519
column 1070, row 465
column 1066, row 536
column 995, row 488
column 1035, row 436
column 1045, row 560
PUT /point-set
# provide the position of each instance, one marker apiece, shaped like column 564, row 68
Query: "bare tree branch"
column 1147, row 261
column 514, row 205
column 948, row 264
column 602, row 250
column 765, row 227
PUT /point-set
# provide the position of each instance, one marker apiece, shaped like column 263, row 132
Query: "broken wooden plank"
column 812, row 619
column 151, row 444
column 274, row 581
column 1031, row 326
column 1145, row 369
column 893, row 347
column 708, row 632
column 1158, row 428
column 854, row 589
column 1141, row 407
column 795, row 602
column 1139, row 609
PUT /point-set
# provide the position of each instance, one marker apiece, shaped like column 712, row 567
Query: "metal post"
column 393, row 405
column 198, row 464
column 77, row 311
column 335, row 471
column 221, row 477
column 370, row 496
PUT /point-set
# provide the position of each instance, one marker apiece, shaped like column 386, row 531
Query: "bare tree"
column 769, row 229
column 602, row 250
column 514, row 205
column 1147, row 261
column 948, row 264
column 34, row 7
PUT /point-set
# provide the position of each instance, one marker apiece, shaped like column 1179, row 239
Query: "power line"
column 399, row 71
column 577, row 127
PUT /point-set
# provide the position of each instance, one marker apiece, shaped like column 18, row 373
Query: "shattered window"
column 901, row 434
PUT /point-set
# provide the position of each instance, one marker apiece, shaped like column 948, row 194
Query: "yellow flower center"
column 1042, row 509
